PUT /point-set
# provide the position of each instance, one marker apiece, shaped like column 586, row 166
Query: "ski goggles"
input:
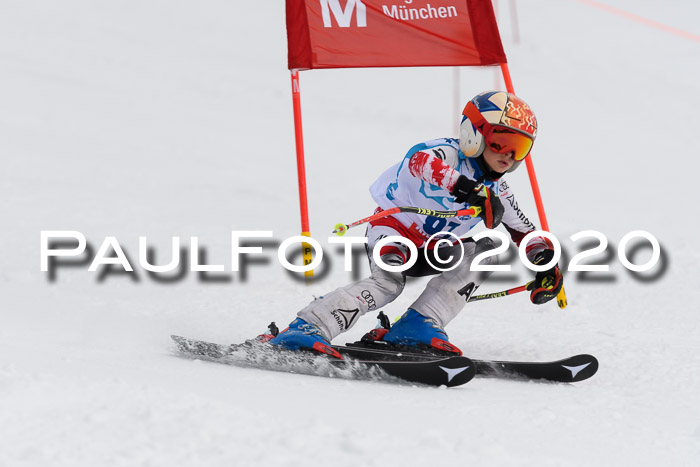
column 499, row 138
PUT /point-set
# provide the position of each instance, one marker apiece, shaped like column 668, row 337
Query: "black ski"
column 431, row 370
column 567, row 370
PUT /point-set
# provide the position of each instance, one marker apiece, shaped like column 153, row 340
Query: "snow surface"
column 162, row 119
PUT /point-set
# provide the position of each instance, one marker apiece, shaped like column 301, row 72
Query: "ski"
column 382, row 361
column 432, row 370
column 567, row 370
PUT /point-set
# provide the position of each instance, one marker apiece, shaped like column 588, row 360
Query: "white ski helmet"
column 493, row 115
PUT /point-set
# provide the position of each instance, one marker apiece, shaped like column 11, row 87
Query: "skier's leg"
column 336, row 312
column 443, row 298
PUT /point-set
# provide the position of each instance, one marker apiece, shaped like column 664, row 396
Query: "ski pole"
column 341, row 229
column 503, row 293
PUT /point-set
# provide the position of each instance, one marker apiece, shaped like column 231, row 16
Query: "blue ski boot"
column 301, row 335
column 415, row 330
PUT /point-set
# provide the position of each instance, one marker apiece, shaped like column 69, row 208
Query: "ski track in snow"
column 147, row 118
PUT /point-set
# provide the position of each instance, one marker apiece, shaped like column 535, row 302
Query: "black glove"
column 547, row 284
column 477, row 194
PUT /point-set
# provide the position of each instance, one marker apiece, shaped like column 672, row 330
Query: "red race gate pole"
column 301, row 172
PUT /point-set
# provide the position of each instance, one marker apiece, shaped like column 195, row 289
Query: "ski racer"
column 497, row 132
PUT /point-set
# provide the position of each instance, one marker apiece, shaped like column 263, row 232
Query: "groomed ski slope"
column 165, row 119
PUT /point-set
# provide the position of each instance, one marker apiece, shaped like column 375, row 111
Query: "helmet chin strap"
column 489, row 174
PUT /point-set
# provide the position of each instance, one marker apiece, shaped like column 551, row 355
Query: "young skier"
column 497, row 132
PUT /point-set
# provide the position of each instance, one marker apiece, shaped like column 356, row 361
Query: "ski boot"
column 301, row 335
column 414, row 330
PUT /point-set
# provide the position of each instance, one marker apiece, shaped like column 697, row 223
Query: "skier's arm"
column 436, row 172
column 518, row 224
column 538, row 250
column 433, row 170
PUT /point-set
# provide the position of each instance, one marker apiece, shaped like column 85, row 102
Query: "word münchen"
column 404, row 13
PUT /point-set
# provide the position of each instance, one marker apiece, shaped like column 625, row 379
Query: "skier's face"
column 498, row 162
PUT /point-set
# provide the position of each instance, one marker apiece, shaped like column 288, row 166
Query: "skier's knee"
column 392, row 283
column 483, row 245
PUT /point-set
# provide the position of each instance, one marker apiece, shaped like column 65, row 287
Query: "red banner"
column 391, row 33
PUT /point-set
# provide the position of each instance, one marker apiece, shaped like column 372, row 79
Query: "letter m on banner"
column 343, row 16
